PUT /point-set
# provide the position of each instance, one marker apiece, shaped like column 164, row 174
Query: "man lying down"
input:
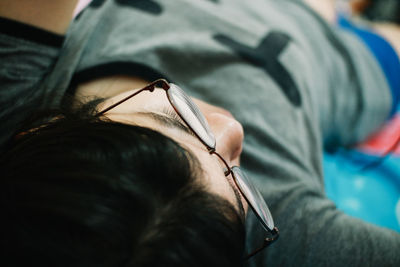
column 183, row 133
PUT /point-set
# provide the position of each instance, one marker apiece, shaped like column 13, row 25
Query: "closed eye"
column 173, row 115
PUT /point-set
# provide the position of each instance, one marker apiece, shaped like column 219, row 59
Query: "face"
column 153, row 110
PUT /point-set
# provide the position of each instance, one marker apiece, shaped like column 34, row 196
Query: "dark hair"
column 84, row 191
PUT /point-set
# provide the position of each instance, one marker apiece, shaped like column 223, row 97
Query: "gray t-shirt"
column 295, row 83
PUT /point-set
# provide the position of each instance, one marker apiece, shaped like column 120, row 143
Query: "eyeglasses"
column 196, row 122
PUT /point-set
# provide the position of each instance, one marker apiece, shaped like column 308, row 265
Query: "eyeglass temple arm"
column 150, row 87
column 267, row 241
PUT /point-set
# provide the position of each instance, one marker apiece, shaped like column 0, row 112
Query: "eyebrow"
column 167, row 121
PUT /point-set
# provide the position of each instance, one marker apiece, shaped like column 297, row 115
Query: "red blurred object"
column 384, row 141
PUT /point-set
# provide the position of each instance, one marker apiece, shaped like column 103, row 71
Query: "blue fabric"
column 372, row 195
column 383, row 52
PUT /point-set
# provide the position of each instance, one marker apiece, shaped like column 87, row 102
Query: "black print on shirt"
column 97, row 3
column 265, row 56
column 144, row 5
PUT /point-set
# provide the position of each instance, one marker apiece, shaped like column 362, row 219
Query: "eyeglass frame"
column 212, row 150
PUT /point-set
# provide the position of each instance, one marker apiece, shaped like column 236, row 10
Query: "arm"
column 51, row 15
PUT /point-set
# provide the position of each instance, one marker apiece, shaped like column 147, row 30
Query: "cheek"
column 214, row 178
column 213, row 171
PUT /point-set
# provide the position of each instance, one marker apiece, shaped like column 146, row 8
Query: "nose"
column 227, row 130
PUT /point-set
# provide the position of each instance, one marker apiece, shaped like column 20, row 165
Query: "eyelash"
column 174, row 115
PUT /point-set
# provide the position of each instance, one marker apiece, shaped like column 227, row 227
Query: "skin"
column 228, row 132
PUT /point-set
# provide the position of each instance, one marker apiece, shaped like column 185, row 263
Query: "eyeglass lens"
column 191, row 114
column 254, row 198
